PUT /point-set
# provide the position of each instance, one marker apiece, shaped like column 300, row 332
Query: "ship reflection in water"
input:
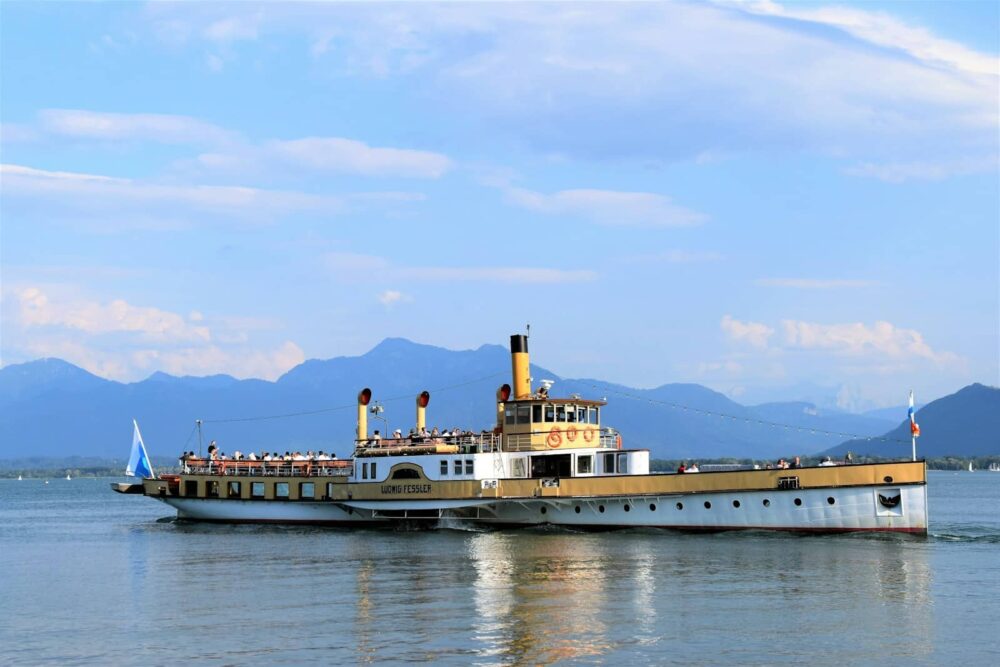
column 542, row 597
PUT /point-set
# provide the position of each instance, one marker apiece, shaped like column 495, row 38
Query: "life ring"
column 618, row 440
column 588, row 435
column 571, row 433
column 555, row 438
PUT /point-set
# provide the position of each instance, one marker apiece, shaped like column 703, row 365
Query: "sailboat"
column 19, row 478
column 995, row 467
column 970, row 466
column 68, row 478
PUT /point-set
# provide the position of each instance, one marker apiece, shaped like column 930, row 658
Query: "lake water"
column 89, row 576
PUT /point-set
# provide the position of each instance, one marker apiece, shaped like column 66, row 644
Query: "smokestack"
column 423, row 398
column 520, row 366
column 503, row 395
column 364, row 396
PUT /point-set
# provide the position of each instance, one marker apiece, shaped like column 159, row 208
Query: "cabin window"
column 508, row 415
column 560, row 413
column 584, row 465
column 374, row 466
column 212, row 490
column 257, row 490
column 595, row 416
column 281, row 490
column 234, row 490
column 458, row 467
column 191, row 487
column 444, row 468
column 468, row 466
column 550, row 414
column 536, row 414
column 329, row 490
column 524, row 414
column 517, row 468
column 364, row 471
column 307, row 491
column 609, row 463
column 406, row 473
column 581, row 415
column 623, row 464
column 571, row 414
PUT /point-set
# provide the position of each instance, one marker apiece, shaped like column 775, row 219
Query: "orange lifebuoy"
column 618, row 440
column 555, row 438
column 571, row 433
column 588, row 435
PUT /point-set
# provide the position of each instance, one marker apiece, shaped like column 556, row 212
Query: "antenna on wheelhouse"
column 198, row 424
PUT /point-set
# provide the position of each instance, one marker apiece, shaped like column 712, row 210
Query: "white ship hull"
column 851, row 509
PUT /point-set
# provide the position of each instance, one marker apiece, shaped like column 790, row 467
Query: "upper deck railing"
column 306, row 468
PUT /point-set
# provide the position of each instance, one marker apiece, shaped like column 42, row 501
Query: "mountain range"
column 51, row 408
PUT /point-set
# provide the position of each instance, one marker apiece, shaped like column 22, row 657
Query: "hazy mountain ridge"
column 52, row 408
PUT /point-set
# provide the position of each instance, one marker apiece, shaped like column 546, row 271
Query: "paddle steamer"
column 547, row 461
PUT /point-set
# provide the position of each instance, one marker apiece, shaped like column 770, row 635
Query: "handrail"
column 475, row 443
column 307, row 468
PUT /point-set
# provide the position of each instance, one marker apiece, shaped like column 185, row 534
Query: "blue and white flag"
column 914, row 427
column 138, row 461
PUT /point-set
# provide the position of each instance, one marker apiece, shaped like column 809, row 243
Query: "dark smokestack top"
column 519, row 343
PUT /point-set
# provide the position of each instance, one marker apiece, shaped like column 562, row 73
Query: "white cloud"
column 752, row 333
column 122, row 341
column 814, row 283
column 103, row 192
column 234, row 28
column 609, row 207
column 355, row 157
column 857, row 338
column 160, row 128
column 882, row 29
column 390, row 296
column 153, row 324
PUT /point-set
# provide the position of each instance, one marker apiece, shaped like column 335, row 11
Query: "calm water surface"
column 88, row 576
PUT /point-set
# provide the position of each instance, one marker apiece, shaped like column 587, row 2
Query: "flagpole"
column 913, row 434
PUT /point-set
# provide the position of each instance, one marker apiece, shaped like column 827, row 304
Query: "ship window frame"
column 550, row 413
column 302, row 491
column 536, row 413
column 212, row 489
column 469, row 466
column 444, row 467
column 622, row 464
column 374, row 470
column 589, row 459
column 594, row 415
column 560, row 414
column 509, row 414
column 457, row 467
column 523, row 414
column 608, row 456
column 234, row 489
column 364, row 470
column 281, row 490
column 257, row 490
column 581, row 415
column 329, row 490
column 518, row 467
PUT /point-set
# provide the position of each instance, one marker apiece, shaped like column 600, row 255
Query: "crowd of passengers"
column 215, row 454
column 419, row 437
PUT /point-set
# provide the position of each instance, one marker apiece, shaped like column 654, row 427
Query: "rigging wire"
column 347, row 407
column 761, row 422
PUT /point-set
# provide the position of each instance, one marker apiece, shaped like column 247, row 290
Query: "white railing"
column 308, row 468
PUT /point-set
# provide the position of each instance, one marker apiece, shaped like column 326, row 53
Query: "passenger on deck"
column 397, row 434
column 693, row 468
column 681, row 468
column 376, row 438
column 795, row 463
column 435, row 432
column 827, row 461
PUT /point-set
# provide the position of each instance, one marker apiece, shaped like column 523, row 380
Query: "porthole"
column 708, row 505
column 736, row 503
column 888, row 479
column 798, row 501
column 767, row 503
column 831, row 500
column 628, row 508
column 577, row 509
column 600, row 508
column 680, row 506
column 652, row 507
column 544, row 510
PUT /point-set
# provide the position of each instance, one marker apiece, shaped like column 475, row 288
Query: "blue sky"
column 769, row 199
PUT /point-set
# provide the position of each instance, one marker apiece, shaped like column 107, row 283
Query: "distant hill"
column 49, row 408
column 966, row 423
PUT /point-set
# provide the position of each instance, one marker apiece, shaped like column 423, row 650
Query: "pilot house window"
column 536, row 414
column 524, row 414
column 584, row 465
